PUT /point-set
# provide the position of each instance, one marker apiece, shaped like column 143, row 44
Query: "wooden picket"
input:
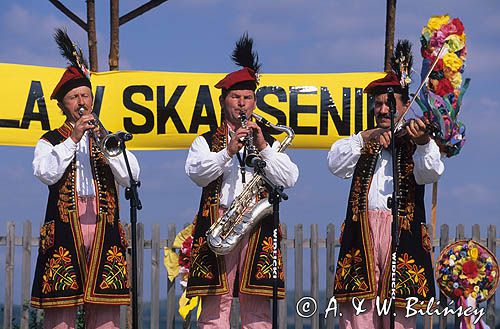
column 317, row 241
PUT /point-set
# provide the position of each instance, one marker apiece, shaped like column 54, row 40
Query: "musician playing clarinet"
column 81, row 257
column 364, row 263
column 217, row 163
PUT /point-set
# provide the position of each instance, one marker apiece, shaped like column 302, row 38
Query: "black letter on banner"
column 99, row 94
column 295, row 109
column 370, row 113
column 35, row 94
column 266, row 108
column 164, row 112
column 129, row 104
column 358, row 110
column 328, row 107
column 203, row 100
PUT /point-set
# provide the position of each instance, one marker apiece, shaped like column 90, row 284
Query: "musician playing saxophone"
column 216, row 162
column 81, row 257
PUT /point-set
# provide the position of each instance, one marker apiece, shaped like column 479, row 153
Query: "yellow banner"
column 167, row 110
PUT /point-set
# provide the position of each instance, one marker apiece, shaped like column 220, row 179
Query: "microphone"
column 255, row 162
column 124, row 136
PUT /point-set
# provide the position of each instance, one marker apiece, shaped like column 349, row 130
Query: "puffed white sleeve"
column 202, row 165
column 50, row 162
column 119, row 168
column 428, row 165
column 344, row 154
column 279, row 168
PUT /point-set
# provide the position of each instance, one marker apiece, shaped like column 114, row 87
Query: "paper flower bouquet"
column 441, row 97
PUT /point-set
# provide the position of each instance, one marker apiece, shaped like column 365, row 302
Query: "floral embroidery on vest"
column 47, row 232
column 59, row 272
column 410, row 277
column 199, row 254
column 114, row 275
column 348, row 270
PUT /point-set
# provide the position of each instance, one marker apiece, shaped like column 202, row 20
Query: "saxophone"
column 245, row 212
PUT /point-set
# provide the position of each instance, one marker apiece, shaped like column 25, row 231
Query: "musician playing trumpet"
column 216, row 162
column 81, row 258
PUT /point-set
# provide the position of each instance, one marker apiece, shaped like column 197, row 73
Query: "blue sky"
column 292, row 36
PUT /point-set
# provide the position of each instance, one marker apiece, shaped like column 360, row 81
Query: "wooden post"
column 428, row 319
column 460, row 234
column 128, row 309
column 330, row 270
column 9, row 275
column 282, row 320
column 314, row 273
column 155, row 277
column 491, row 243
column 140, row 274
column 299, row 256
column 91, row 35
column 390, row 24
column 443, row 242
column 26, row 276
column 115, row 36
column 170, row 285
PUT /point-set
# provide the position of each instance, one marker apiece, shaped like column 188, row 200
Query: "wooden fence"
column 324, row 243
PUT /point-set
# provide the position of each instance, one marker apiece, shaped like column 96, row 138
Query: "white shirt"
column 50, row 163
column 204, row 166
column 344, row 155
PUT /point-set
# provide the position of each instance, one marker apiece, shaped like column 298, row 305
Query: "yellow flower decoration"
column 455, row 43
column 435, row 22
column 473, row 252
column 452, row 61
column 456, row 82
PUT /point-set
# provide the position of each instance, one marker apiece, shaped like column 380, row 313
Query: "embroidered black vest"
column 65, row 275
column 355, row 274
column 207, row 275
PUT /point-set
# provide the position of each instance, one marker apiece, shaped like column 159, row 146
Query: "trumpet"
column 109, row 144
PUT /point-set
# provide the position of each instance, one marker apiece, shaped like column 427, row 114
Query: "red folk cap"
column 381, row 85
column 243, row 79
column 71, row 78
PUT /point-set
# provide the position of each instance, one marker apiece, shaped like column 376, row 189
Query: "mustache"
column 386, row 116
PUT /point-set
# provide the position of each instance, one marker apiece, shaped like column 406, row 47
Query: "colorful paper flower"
column 452, row 61
column 471, row 269
column 440, row 99
column 435, row 22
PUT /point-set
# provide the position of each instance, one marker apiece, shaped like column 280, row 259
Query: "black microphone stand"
column 276, row 195
column 132, row 194
column 393, row 203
